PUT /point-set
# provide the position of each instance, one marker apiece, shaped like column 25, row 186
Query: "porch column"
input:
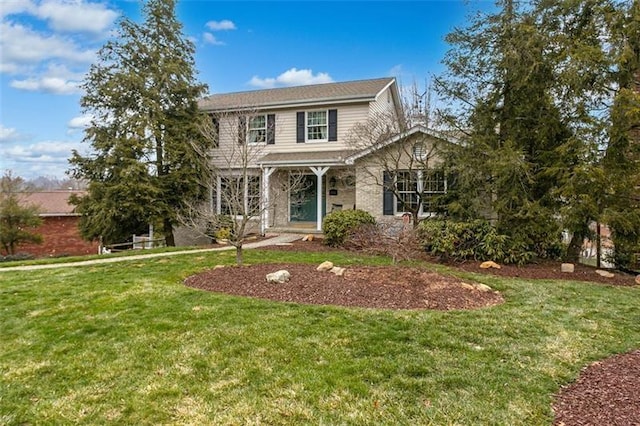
column 319, row 172
column 265, row 204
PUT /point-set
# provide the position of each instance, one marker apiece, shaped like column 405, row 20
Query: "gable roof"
column 348, row 91
column 417, row 129
column 51, row 203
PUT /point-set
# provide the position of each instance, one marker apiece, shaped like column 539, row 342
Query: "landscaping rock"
column 281, row 276
column 218, row 267
column 337, row 271
column 483, row 287
column 638, row 279
column 567, row 267
column 489, row 264
column 605, row 274
column 325, row 266
column 308, row 237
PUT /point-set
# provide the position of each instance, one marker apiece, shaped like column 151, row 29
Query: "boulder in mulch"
column 325, row 266
column 336, row 270
column 281, row 276
column 489, row 264
column 605, row 274
column 638, row 279
column 567, row 268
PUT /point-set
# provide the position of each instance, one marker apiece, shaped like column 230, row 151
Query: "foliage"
column 338, row 224
column 221, row 227
column 479, row 240
column 16, row 257
column 17, row 220
column 153, row 351
column 142, row 95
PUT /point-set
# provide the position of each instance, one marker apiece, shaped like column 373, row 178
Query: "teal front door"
column 304, row 201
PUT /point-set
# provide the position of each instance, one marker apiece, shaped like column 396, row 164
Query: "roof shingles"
column 317, row 93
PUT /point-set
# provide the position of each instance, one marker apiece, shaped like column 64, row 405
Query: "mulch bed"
column 606, row 393
column 362, row 286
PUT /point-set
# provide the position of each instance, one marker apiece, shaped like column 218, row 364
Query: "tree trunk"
column 168, row 233
column 239, row 254
column 573, row 250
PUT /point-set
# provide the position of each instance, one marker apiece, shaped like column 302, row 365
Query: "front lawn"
column 127, row 343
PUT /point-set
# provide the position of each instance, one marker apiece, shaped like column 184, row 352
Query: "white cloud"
column 292, row 77
column 8, row 134
column 396, row 70
column 46, row 158
column 12, row 7
column 221, row 25
column 76, row 16
column 80, row 122
column 211, row 39
column 54, row 85
column 21, row 46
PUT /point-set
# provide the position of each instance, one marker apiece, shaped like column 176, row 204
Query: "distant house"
column 306, row 130
column 59, row 229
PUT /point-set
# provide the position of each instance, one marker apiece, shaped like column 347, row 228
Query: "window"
column 429, row 184
column 407, row 186
column 257, row 129
column 237, row 198
column 317, row 126
column 434, row 184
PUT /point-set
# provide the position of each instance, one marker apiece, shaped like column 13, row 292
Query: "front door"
column 304, row 201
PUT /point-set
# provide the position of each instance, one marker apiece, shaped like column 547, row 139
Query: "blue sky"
column 46, row 47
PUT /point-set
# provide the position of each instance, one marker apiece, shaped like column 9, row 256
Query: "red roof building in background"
column 59, row 230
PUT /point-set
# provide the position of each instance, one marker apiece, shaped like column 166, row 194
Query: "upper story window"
column 317, row 126
column 257, row 129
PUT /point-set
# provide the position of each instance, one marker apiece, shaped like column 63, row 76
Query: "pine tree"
column 502, row 79
column 142, row 94
column 622, row 157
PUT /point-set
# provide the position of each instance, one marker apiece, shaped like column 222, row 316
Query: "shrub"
column 475, row 239
column 339, row 224
column 479, row 240
column 220, row 227
column 16, row 257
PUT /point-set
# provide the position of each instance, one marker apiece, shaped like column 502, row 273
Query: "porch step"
column 294, row 230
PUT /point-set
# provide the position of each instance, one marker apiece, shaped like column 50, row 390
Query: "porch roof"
column 314, row 158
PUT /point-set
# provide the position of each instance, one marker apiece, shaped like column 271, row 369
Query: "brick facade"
column 61, row 237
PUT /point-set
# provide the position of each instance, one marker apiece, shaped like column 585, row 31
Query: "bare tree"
column 241, row 192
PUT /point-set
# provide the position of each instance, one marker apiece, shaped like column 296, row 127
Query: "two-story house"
column 310, row 132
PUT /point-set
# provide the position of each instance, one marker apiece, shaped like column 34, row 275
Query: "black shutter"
column 215, row 131
column 300, row 126
column 333, row 125
column 271, row 129
column 387, row 196
column 242, row 129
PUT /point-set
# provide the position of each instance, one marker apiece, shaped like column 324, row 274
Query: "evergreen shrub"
column 338, row 225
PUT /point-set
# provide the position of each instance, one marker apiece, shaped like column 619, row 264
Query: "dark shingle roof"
column 361, row 90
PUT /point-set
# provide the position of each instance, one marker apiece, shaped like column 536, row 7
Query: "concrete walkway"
column 280, row 239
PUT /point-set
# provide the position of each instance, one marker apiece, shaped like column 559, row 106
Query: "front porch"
column 302, row 228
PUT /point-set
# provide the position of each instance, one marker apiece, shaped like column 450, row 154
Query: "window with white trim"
column 430, row 184
column 317, row 126
column 238, row 196
column 257, row 129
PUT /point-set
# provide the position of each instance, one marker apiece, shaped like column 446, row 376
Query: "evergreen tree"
column 622, row 157
column 142, row 95
column 17, row 220
column 515, row 134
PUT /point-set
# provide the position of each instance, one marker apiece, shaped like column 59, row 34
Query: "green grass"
column 127, row 343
